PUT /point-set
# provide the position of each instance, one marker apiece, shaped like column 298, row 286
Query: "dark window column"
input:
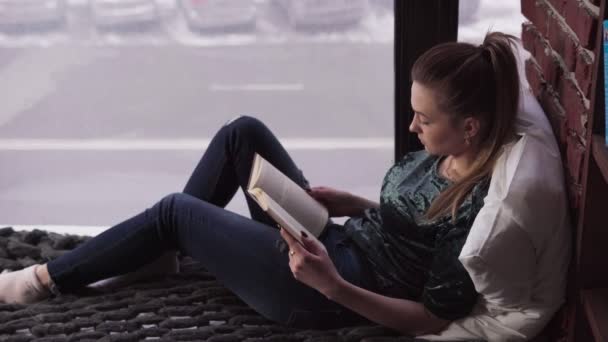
column 419, row 25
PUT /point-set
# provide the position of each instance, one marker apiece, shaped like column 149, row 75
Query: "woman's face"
column 438, row 134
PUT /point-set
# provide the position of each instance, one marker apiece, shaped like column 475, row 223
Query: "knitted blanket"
column 187, row 306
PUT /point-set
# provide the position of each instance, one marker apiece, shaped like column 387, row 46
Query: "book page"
column 282, row 217
column 291, row 197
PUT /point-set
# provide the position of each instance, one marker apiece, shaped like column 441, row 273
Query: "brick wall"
column 560, row 35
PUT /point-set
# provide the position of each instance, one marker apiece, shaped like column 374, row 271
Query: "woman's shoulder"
column 413, row 166
column 417, row 155
column 417, row 158
column 418, row 162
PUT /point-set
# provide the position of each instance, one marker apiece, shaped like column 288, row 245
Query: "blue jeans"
column 247, row 255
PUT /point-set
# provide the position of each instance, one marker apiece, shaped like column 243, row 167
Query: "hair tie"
column 484, row 51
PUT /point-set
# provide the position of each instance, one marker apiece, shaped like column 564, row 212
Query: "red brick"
column 554, row 110
column 529, row 35
column 582, row 21
column 554, row 32
column 571, row 47
column 584, row 71
column 556, row 115
column 574, row 105
column 558, row 5
column 528, row 9
column 541, row 17
column 534, row 76
column 544, row 55
column 562, row 40
column 540, row 56
column 541, row 49
column 571, row 12
column 574, row 156
column 575, row 191
column 553, row 71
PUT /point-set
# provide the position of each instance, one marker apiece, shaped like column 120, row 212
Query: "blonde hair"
column 480, row 81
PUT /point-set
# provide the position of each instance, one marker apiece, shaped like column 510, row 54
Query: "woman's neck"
column 459, row 166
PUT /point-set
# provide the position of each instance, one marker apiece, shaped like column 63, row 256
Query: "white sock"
column 165, row 264
column 22, row 287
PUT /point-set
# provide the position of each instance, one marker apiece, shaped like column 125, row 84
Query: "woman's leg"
column 242, row 253
column 226, row 164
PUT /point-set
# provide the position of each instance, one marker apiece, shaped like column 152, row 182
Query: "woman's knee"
column 247, row 125
column 170, row 204
column 171, row 198
column 172, row 212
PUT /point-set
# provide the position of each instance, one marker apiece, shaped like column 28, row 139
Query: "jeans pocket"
column 314, row 319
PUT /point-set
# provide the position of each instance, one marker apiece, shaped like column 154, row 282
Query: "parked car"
column 121, row 13
column 313, row 13
column 218, row 14
column 31, row 13
column 388, row 3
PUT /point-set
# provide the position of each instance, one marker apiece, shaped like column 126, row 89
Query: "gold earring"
column 467, row 140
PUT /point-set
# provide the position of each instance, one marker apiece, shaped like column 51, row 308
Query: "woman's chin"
column 431, row 151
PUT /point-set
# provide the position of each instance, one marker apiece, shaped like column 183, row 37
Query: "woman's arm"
column 406, row 316
column 311, row 265
column 364, row 203
column 341, row 203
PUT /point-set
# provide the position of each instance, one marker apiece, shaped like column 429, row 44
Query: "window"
column 476, row 17
column 109, row 104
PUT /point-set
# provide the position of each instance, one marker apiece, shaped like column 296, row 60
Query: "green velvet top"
column 411, row 257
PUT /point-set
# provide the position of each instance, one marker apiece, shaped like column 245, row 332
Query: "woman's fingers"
column 294, row 245
column 319, row 189
column 321, row 193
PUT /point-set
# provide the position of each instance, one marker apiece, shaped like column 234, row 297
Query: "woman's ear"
column 471, row 126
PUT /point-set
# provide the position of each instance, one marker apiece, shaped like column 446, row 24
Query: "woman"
column 394, row 263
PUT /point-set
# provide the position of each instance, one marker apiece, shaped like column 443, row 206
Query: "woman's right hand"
column 338, row 203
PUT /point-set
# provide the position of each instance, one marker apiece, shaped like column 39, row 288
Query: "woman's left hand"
column 311, row 265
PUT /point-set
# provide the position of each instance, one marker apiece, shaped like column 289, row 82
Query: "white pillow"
column 518, row 250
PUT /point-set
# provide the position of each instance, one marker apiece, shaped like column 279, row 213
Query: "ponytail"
column 480, row 81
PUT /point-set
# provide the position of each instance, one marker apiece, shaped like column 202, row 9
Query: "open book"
column 285, row 201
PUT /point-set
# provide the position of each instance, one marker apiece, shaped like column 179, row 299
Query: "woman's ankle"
column 42, row 273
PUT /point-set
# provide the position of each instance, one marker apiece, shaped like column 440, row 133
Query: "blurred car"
column 388, row 3
column 31, row 13
column 120, row 13
column 467, row 10
column 311, row 13
column 218, row 14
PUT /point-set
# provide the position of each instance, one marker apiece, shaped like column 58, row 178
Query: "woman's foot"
column 23, row 286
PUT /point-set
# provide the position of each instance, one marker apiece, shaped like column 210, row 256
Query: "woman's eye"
column 421, row 121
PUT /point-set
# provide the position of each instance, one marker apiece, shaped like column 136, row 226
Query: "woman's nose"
column 414, row 128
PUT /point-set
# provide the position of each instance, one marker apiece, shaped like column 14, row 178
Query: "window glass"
column 476, row 17
column 109, row 104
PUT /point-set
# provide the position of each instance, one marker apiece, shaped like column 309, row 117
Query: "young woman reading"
column 394, row 262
